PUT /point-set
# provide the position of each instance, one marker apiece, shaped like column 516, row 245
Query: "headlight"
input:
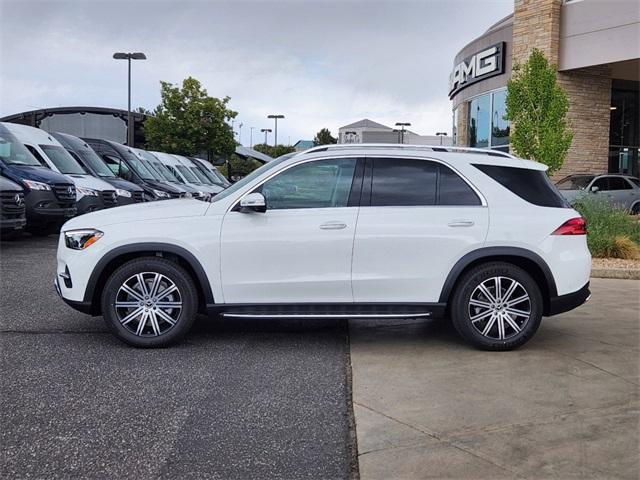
column 81, row 239
column 161, row 194
column 123, row 193
column 36, row 185
column 188, row 195
column 89, row 192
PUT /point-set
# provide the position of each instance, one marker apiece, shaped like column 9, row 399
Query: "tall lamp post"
column 128, row 57
column 266, row 132
column 275, row 118
column 441, row 134
column 402, row 130
column 240, row 133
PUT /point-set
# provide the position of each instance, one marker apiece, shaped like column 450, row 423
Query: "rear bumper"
column 564, row 303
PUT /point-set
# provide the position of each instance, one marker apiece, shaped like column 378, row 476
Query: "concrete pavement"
column 564, row 406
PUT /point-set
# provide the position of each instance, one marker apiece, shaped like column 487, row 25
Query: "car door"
column 417, row 218
column 616, row 189
column 300, row 249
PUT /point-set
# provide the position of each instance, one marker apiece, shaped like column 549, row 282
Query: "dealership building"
column 596, row 47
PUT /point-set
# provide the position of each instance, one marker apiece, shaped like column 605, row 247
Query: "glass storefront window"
column 454, row 129
column 479, row 119
column 499, row 126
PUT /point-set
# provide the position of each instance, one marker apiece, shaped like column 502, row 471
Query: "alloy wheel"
column 499, row 308
column 148, row 304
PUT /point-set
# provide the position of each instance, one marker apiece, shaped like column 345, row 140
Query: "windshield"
column 64, row 162
column 140, row 168
column 12, row 152
column 165, row 172
column 94, row 162
column 152, row 168
column 575, row 182
column 201, row 176
column 220, row 176
column 186, row 173
column 248, row 179
column 212, row 177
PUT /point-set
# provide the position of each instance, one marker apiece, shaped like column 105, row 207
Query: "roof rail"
column 395, row 146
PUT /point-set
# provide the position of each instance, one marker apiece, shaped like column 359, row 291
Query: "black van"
column 128, row 192
column 12, row 217
column 124, row 163
column 49, row 196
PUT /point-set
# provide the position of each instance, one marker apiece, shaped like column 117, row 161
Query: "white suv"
column 340, row 232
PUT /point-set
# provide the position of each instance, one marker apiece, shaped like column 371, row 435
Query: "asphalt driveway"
column 239, row 399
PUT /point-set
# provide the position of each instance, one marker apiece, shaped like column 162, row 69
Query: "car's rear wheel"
column 635, row 209
column 149, row 302
column 497, row 306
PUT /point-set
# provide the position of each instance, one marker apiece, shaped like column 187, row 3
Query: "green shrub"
column 611, row 231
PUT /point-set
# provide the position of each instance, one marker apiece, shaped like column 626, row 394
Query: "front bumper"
column 89, row 204
column 43, row 208
column 564, row 303
column 82, row 307
column 8, row 224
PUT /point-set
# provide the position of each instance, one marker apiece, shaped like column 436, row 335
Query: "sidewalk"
column 566, row 405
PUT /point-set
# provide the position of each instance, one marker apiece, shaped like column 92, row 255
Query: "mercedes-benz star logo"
column 18, row 199
column 70, row 190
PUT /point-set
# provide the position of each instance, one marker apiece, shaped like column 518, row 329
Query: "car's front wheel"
column 149, row 302
column 497, row 306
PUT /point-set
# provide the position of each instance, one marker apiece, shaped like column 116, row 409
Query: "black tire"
column 186, row 292
column 635, row 209
column 494, row 340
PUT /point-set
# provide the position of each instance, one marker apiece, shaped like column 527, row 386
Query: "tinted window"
column 618, row 183
column 531, row 185
column 453, row 190
column 574, row 182
column 319, row 184
column 403, row 182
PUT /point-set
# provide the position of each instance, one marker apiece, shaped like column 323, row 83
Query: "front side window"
column 317, row 184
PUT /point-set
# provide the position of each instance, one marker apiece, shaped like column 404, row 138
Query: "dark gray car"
column 620, row 190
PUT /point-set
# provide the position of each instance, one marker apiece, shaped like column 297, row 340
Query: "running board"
column 325, row 315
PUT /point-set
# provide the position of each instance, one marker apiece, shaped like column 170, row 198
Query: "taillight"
column 574, row 226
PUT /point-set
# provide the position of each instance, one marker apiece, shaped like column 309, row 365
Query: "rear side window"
column 531, row 185
column 415, row 182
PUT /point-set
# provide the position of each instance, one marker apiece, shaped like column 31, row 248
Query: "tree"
column 239, row 167
column 274, row 151
column 537, row 107
column 189, row 121
column 323, row 137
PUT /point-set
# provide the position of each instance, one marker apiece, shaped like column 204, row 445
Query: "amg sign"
column 487, row 63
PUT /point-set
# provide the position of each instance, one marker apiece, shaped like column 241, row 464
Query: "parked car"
column 50, row 198
column 127, row 192
column 340, row 232
column 152, row 163
column 12, row 209
column 620, row 190
column 183, row 172
column 199, row 174
column 91, row 193
column 212, row 172
column 125, row 164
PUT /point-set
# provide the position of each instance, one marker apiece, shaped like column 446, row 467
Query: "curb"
column 619, row 273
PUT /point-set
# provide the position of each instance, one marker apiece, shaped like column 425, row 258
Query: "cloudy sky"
column 320, row 63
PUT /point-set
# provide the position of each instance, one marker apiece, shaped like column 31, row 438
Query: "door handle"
column 461, row 223
column 333, row 226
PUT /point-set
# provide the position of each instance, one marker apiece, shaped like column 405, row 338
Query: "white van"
column 184, row 173
column 91, row 192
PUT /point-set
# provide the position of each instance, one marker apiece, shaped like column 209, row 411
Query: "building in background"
column 596, row 46
column 368, row 131
column 91, row 122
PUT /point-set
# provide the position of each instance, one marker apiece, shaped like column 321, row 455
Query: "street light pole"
column 402, row 130
column 128, row 57
column 251, row 136
column 275, row 118
column 266, row 132
column 240, row 133
column 441, row 134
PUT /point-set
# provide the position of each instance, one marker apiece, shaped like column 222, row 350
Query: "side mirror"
column 595, row 189
column 254, row 202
